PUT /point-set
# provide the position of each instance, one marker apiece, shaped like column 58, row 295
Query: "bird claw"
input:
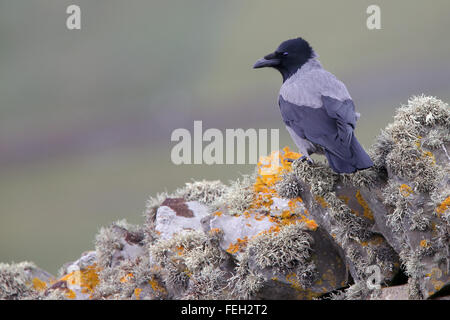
column 307, row 159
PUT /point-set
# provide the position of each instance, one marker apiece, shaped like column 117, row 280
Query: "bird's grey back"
column 307, row 86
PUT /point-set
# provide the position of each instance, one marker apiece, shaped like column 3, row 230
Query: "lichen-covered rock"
column 294, row 263
column 290, row 230
column 176, row 214
column 411, row 203
column 80, row 279
column 337, row 203
column 22, row 281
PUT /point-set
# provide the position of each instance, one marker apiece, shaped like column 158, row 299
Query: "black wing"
column 330, row 126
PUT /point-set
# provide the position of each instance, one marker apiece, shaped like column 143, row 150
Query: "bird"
column 316, row 107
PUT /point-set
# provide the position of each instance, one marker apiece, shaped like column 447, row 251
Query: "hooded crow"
column 316, row 107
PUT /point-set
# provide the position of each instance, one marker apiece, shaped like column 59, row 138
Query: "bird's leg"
column 307, row 158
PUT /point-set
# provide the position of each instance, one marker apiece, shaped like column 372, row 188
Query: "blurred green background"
column 86, row 116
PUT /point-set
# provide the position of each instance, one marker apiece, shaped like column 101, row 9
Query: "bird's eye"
column 285, row 53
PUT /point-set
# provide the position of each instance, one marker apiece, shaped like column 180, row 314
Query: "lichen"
column 15, row 283
column 206, row 192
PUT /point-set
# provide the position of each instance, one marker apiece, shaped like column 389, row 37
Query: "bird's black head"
column 288, row 58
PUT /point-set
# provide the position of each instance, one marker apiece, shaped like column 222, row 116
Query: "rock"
column 409, row 204
column 288, row 231
column 394, row 293
column 238, row 229
column 176, row 214
column 80, row 279
column 23, row 281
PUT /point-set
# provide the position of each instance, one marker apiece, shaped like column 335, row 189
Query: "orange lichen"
column 126, row 277
column 406, row 190
column 424, row 244
column 39, row 285
column 429, row 155
column 137, row 293
column 238, row 246
column 218, row 213
column 375, row 241
column 367, row 212
column 156, row 286
column 292, row 279
column 443, row 207
column 344, row 198
column 215, row 230
column 86, row 278
column 271, row 167
column 425, row 153
column 321, row 201
column 180, row 250
column 70, row 294
column 311, row 224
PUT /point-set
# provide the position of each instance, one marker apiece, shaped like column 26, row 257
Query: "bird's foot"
column 307, row 159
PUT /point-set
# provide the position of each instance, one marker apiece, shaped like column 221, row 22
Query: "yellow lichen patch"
column 443, row 207
column 180, row 250
column 215, row 230
column 39, row 285
column 425, row 153
column 418, row 143
column 344, row 198
column 291, row 278
column 218, row 213
column 238, row 246
column 424, row 244
column 271, row 167
column 126, row 277
column 321, row 201
column 429, row 155
column 87, row 278
column 70, row 294
column 406, row 190
column 294, row 203
column 137, row 293
column 367, row 212
column 311, row 224
column 156, row 286
column 375, row 241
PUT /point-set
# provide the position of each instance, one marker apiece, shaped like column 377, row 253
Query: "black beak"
column 270, row 60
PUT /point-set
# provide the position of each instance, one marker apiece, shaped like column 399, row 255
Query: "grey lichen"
column 401, row 202
column 15, row 284
column 189, row 259
column 240, row 195
column 289, row 187
column 272, row 255
column 283, row 251
column 206, row 192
